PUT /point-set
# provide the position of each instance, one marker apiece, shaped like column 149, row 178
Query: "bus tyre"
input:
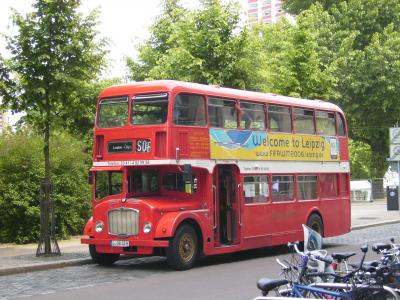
column 315, row 223
column 183, row 248
column 104, row 259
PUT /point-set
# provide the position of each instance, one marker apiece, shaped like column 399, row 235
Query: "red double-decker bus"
column 184, row 170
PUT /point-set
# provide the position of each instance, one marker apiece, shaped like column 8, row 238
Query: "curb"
column 358, row 227
column 45, row 266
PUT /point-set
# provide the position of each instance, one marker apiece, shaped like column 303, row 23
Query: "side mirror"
column 90, row 177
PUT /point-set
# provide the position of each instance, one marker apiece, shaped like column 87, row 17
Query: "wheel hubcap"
column 316, row 228
column 186, row 247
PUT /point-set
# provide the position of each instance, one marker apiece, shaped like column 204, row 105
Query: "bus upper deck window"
column 189, row 110
column 341, row 127
column 149, row 109
column 222, row 113
column 326, row 123
column 303, row 120
column 113, row 112
column 279, row 118
column 252, row 116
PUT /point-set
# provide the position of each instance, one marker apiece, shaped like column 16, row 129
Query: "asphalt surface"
column 22, row 258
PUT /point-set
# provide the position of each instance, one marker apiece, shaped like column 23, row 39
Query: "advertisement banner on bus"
column 259, row 145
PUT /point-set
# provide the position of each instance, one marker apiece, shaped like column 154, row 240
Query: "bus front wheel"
column 183, row 248
column 104, row 259
column 315, row 223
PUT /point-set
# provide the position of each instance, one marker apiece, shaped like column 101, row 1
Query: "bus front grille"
column 123, row 222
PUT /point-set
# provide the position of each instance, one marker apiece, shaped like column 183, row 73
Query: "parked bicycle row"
column 315, row 274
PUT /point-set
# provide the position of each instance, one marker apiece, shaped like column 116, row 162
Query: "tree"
column 291, row 63
column 297, row 6
column 22, row 170
column 53, row 56
column 356, row 45
column 361, row 157
column 205, row 46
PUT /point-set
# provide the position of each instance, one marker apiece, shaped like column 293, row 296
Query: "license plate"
column 120, row 243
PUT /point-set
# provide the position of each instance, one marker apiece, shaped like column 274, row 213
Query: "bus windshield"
column 113, row 112
column 149, row 109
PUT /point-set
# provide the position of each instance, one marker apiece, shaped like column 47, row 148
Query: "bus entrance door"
column 227, row 205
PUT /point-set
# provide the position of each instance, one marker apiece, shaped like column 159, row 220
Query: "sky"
column 123, row 22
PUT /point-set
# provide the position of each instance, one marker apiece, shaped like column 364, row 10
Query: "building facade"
column 266, row 11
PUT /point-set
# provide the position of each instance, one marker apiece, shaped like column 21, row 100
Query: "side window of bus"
column 189, row 110
column 303, row 121
column 326, row 124
column 341, row 126
column 256, row 189
column 252, row 116
column 307, row 187
column 108, row 183
column 344, row 184
column 329, row 186
column 279, row 118
column 282, row 188
column 222, row 113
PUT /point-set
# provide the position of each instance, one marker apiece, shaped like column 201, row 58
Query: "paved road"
column 221, row 277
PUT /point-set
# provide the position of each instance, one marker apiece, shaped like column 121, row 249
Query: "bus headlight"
column 147, row 227
column 99, row 227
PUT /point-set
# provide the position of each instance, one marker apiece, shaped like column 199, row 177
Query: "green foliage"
column 205, row 46
column 297, row 6
column 54, row 56
column 346, row 52
column 360, row 159
column 22, row 171
column 291, row 63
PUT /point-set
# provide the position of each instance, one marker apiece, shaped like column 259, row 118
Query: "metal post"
column 398, row 183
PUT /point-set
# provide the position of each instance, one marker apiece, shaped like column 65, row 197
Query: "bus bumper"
column 144, row 247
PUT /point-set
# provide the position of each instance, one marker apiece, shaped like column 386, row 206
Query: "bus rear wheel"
column 183, row 248
column 315, row 223
column 104, row 259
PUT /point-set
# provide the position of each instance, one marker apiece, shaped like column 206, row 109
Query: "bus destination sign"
column 120, row 147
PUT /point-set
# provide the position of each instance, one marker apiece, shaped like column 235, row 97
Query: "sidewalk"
column 21, row 258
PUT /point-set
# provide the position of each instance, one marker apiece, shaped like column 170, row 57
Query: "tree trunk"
column 46, row 212
column 378, row 163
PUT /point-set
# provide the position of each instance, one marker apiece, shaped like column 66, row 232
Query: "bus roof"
column 143, row 87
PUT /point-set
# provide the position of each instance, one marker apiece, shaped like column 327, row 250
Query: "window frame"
column 223, row 100
column 159, row 95
column 298, row 181
column 321, row 187
column 268, row 186
column 279, row 113
column 340, row 119
column 205, row 110
column 318, row 111
column 293, row 196
column 113, row 100
column 242, row 112
column 109, row 186
column 295, row 130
